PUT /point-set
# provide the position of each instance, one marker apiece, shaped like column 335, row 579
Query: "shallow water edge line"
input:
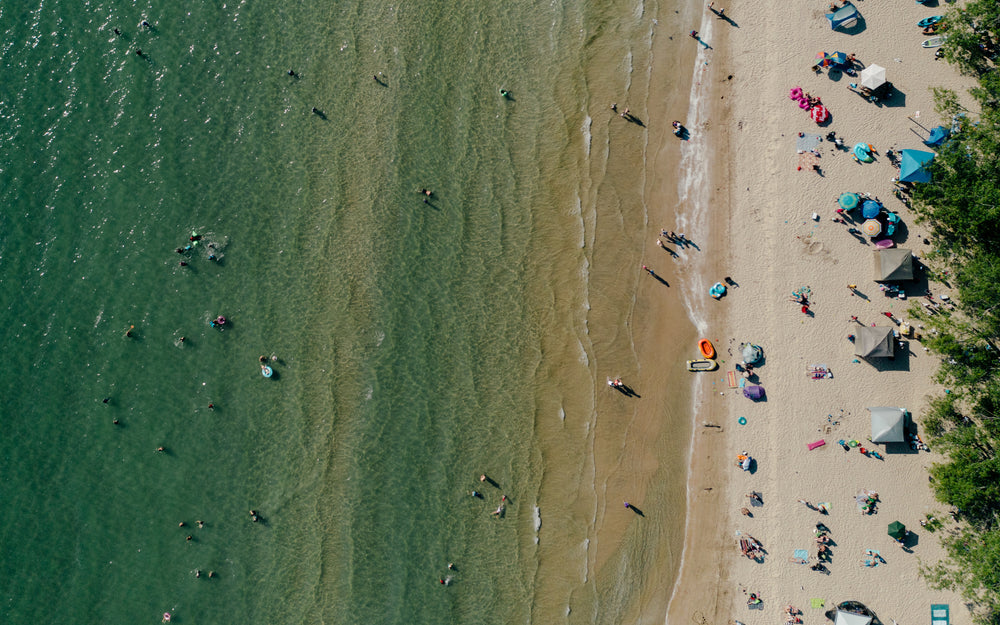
column 692, row 216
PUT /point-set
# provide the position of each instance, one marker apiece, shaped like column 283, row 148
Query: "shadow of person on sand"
column 721, row 14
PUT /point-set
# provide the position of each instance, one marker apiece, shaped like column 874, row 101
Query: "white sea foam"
column 693, row 193
column 538, row 522
column 562, row 414
column 587, row 123
column 584, row 356
column 693, row 187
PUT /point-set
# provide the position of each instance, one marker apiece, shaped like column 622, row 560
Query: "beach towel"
column 817, row 603
column 731, row 376
column 818, row 443
column 807, row 142
column 802, row 554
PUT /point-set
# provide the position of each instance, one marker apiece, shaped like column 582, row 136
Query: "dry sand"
column 774, row 247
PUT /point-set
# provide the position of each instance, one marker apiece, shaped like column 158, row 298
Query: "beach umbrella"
column 870, row 209
column 848, row 201
column 897, row 530
column 838, row 58
column 872, row 227
column 911, row 166
column 937, row 136
column 819, row 114
column 823, row 59
column 873, row 76
column 863, row 153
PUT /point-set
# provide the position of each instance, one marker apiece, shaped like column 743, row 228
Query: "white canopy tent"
column 873, row 77
column 849, row 618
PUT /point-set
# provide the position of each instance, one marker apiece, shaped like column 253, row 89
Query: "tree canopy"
column 962, row 209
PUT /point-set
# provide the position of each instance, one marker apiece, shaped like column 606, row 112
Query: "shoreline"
column 706, row 485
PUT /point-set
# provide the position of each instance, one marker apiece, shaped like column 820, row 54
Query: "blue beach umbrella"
column 848, row 201
column 938, row 135
column 870, row 209
column 911, row 167
column 838, row 58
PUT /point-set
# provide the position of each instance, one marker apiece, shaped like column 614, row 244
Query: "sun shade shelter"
column 937, row 136
column 897, row 530
column 873, row 77
column 848, row 200
column 850, row 618
column 844, row 17
column 912, row 165
column 872, row 227
column 893, row 265
column 888, row 425
column 751, row 353
column 870, row 209
column 874, row 342
column 838, row 58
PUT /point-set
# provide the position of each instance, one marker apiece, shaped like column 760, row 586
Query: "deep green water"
column 406, row 343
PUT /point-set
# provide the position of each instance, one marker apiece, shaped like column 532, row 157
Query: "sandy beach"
column 773, row 247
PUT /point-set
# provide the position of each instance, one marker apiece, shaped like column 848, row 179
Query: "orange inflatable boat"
column 706, row 348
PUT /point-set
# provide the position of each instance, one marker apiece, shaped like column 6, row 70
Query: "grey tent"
column 888, row 425
column 893, row 265
column 751, row 353
column 846, row 16
column 874, row 342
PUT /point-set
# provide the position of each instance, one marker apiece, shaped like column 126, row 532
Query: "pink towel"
column 818, row 443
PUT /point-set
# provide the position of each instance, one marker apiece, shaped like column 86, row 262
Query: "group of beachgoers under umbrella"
column 877, row 218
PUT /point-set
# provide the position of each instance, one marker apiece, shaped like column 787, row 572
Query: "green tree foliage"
column 972, row 37
column 962, row 209
column 974, row 568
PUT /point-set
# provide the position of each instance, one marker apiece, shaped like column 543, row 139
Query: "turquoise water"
column 406, row 341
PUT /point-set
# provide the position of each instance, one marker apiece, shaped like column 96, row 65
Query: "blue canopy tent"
column 870, row 209
column 911, row 168
column 937, row 137
column 845, row 16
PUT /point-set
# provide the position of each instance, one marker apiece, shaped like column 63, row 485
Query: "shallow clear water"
column 409, row 337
